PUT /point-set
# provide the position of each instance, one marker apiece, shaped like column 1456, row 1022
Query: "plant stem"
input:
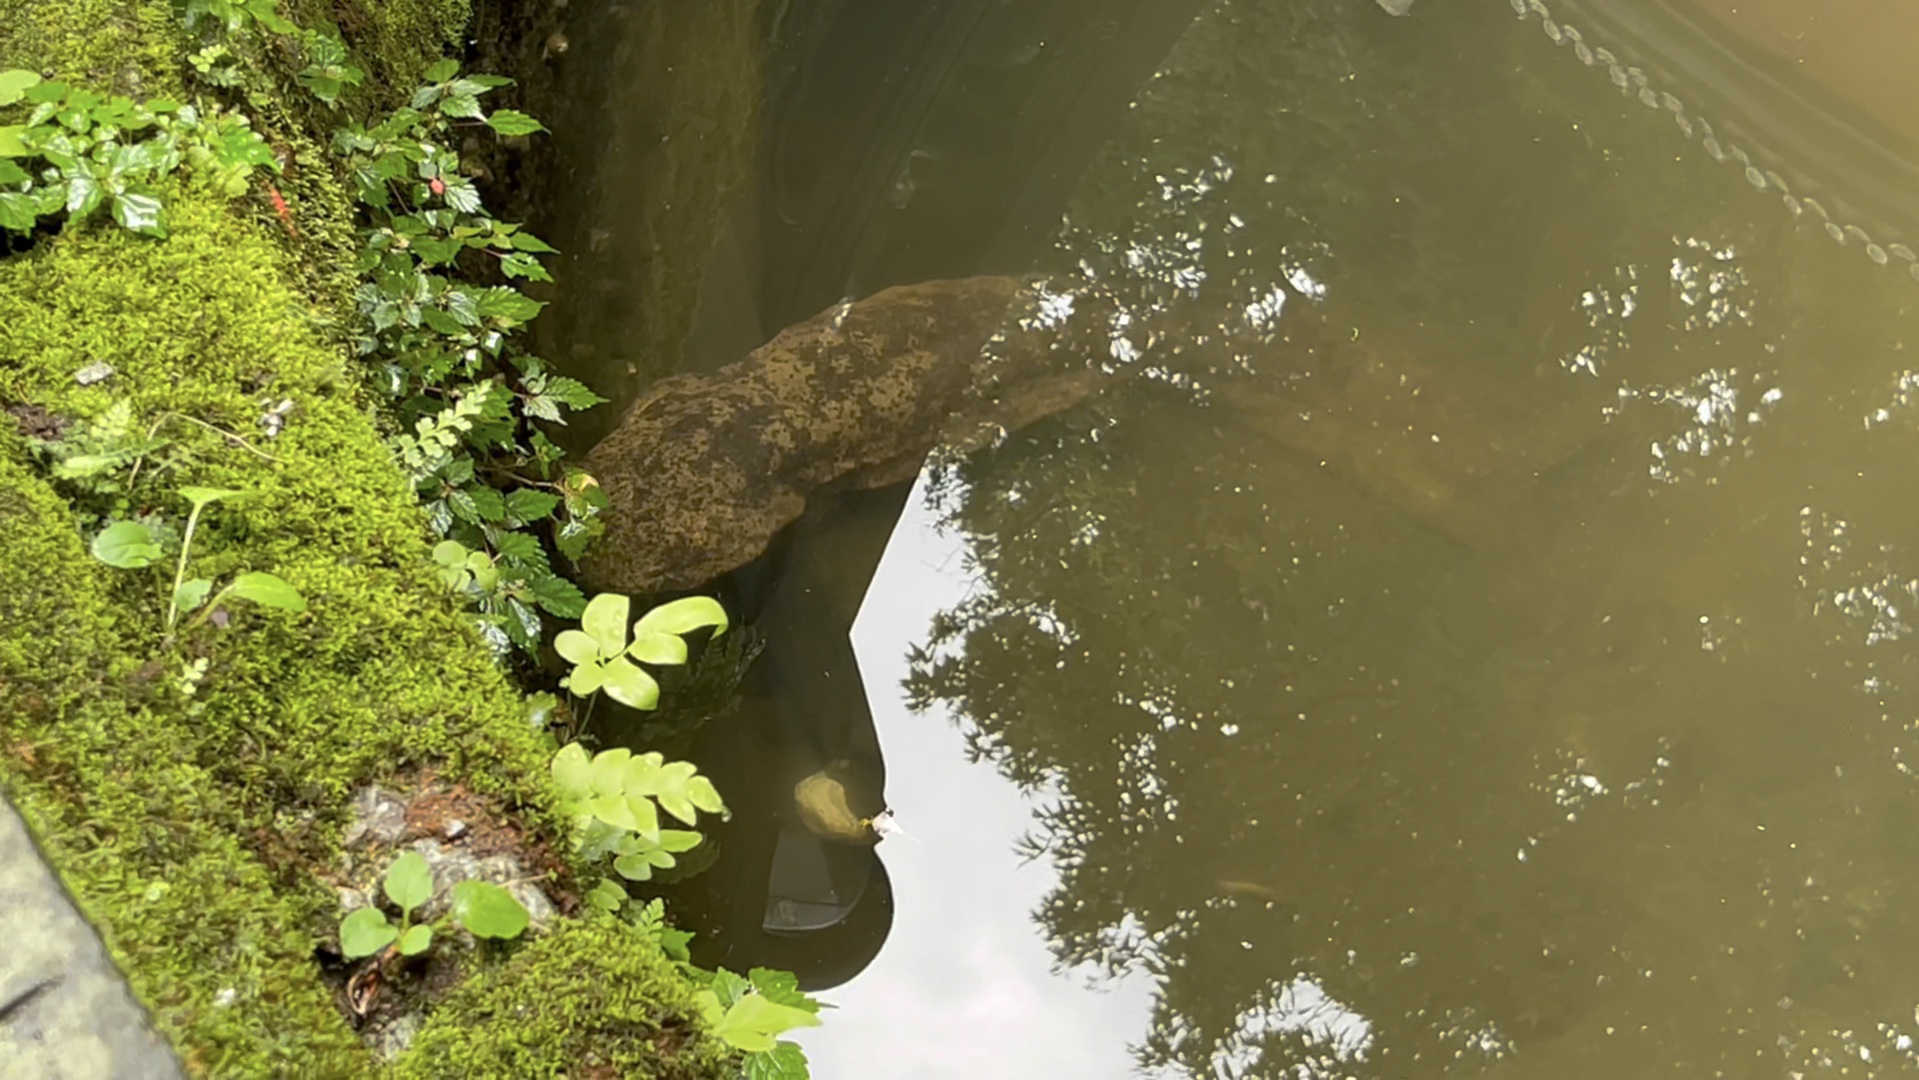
column 180, row 569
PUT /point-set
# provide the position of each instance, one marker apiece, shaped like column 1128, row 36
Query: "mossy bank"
column 193, row 824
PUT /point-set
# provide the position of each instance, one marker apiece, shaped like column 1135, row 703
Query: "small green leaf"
column 450, row 554
column 609, row 771
column 11, row 145
column 573, row 772
column 685, row 615
column 560, row 597
column 527, row 505
column 701, row 793
column 442, row 70
column 781, row 987
column 786, row 1061
column 14, row 83
column 614, row 810
column 630, row 685
column 679, row 840
column 585, row 680
column 139, row 210
column 655, row 648
column 577, row 646
column 364, row 932
column 526, row 241
column 409, row 881
column 512, row 122
column 754, row 1020
column 500, row 302
column 416, row 940
column 201, row 496
column 608, row 895
column 268, row 591
column 465, row 106
column 605, row 621
column 191, row 594
column 128, row 545
column 487, row 910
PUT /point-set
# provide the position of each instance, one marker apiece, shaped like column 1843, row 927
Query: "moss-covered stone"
column 190, row 827
column 581, row 1002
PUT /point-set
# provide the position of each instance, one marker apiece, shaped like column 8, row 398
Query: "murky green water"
column 1471, row 635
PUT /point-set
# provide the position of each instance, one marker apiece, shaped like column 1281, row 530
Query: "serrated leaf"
column 521, row 548
column 488, row 501
column 441, row 71
column 527, row 505
column 521, row 265
column 786, row 1061
column 268, row 591
column 128, row 545
column 409, row 881
column 560, row 597
column 782, row 987
column 500, row 302
column 572, row 393
column 512, row 122
column 728, row 988
column 573, row 772
column 416, row 940
column 526, row 241
column 364, row 932
column 464, row 106
column 683, row 616
column 487, row 910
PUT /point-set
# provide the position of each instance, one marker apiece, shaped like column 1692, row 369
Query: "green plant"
column 614, row 799
column 133, row 545
column 603, row 658
column 79, row 151
column 444, row 347
column 482, row 908
column 750, row 1014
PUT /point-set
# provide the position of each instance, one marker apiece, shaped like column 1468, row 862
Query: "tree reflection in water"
column 1408, row 716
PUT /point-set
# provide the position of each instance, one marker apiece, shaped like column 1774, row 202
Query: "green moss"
column 190, row 828
column 592, row 999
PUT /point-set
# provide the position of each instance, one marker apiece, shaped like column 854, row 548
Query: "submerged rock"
column 705, row 469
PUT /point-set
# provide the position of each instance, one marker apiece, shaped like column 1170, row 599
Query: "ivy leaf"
column 512, row 122
column 364, row 932
column 409, row 881
column 487, row 910
column 128, row 545
column 268, row 591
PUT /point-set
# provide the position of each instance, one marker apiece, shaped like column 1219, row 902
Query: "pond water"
column 1472, row 632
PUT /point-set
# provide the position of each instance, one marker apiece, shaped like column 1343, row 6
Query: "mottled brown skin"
column 705, row 469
